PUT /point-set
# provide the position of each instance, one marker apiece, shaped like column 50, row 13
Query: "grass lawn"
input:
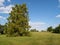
column 37, row 38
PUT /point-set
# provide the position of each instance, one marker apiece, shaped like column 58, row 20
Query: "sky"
column 42, row 13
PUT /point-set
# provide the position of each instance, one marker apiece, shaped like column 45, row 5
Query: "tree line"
column 54, row 30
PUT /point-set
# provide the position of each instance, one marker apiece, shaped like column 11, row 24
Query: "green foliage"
column 50, row 29
column 18, row 21
column 34, row 30
column 1, row 29
column 57, row 29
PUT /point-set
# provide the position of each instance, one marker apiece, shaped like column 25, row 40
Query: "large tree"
column 18, row 21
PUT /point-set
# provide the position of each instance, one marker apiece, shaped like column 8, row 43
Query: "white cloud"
column 58, row 16
column 5, row 9
column 3, row 20
column 37, row 25
column 1, row 17
column 1, row 2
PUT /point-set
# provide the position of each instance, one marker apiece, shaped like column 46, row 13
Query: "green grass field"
column 37, row 38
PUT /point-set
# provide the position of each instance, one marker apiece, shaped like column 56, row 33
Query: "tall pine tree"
column 18, row 21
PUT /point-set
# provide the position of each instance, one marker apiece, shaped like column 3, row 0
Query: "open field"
column 37, row 38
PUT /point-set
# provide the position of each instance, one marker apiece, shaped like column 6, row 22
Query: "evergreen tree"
column 18, row 21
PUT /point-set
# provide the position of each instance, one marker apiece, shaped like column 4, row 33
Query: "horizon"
column 42, row 13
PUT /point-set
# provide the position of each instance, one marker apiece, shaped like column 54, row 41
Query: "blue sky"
column 42, row 13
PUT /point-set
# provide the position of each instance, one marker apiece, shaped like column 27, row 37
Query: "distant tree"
column 57, row 29
column 34, row 30
column 43, row 31
column 18, row 21
column 1, row 29
column 50, row 29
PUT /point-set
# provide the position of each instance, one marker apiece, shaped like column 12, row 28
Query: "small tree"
column 50, row 29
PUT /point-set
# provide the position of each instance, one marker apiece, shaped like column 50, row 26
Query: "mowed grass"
column 36, row 38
